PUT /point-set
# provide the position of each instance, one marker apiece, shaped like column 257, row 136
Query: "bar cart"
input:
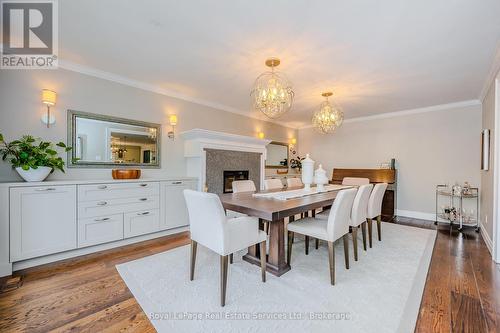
column 456, row 201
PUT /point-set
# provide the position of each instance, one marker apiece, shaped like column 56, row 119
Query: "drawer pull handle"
column 46, row 189
column 102, row 220
column 143, row 213
column 176, row 183
column 143, row 185
column 143, row 199
column 102, row 187
column 102, row 203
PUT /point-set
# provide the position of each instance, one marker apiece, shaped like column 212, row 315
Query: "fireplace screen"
column 230, row 176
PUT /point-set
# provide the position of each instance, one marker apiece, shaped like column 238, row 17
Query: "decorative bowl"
column 126, row 173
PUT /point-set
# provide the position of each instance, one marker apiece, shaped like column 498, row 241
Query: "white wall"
column 487, row 177
column 21, row 109
column 430, row 148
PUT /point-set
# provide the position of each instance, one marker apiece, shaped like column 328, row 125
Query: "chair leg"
column 369, row 222
column 363, row 232
column 194, row 246
column 331, row 257
column 379, row 227
column 263, row 260
column 346, row 250
column 307, row 245
column 231, row 258
column 223, row 279
column 289, row 249
column 355, row 242
column 317, row 243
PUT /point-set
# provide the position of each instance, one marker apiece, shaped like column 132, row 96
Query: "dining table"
column 275, row 211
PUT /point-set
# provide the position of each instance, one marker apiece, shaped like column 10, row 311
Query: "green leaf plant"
column 29, row 152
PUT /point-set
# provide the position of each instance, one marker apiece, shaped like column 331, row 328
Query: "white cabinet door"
column 175, row 210
column 141, row 223
column 98, row 230
column 42, row 221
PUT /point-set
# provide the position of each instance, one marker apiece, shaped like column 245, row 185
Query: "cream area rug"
column 379, row 293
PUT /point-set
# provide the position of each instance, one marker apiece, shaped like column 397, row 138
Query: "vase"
column 320, row 178
column 307, row 172
column 34, row 175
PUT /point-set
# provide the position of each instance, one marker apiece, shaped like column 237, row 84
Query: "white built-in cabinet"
column 175, row 209
column 50, row 219
column 42, row 221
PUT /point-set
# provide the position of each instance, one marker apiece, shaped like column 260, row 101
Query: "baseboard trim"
column 487, row 241
column 416, row 215
column 92, row 249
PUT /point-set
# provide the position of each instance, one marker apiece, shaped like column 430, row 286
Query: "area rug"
column 379, row 293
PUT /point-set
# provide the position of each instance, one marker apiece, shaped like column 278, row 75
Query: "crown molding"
column 494, row 71
column 90, row 71
column 434, row 108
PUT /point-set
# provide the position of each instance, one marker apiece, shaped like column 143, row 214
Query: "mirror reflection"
column 277, row 155
column 113, row 141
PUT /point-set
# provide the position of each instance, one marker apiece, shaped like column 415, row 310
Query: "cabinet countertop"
column 92, row 181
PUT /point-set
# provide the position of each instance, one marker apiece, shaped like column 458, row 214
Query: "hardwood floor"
column 462, row 292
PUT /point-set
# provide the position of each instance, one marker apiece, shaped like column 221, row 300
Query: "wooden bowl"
column 126, row 173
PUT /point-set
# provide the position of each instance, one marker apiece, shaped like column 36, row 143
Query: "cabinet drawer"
column 98, row 230
column 140, row 223
column 115, row 206
column 116, row 191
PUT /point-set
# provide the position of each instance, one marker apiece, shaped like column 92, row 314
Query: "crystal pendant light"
column 329, row 116
column 272, row 93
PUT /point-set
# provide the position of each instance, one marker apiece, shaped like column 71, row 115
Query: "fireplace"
column 230, row 176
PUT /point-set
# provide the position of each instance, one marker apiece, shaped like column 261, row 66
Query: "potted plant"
column 296, row 163
column 32, row 158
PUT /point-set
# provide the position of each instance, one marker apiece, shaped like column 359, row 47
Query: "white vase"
column 307, row 172
column 320, row 178
column 34, row 175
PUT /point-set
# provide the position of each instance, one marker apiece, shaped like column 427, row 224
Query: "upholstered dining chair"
column 294, row 182
column 273, row 184
column 375, row 210
column 210, row 227
column 358, row 216
column 355, row 181
column 330, row 230
column 243, row 186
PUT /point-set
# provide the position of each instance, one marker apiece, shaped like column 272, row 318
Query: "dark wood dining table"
column 274, row 211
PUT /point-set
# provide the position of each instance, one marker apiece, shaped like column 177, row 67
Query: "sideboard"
column 53, row 220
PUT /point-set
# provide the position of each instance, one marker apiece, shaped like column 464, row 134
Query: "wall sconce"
column 173, row 121
column 49, row 99
column 260, row 135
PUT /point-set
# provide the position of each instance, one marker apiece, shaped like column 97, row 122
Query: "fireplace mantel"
column 197, row 140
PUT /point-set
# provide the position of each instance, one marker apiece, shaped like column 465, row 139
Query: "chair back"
column 375, row 201
column 294, row 182
column 360, row 205
column 355, row 181
column 338, row 220
column 243, row 186
column 206, row 219
column 273, row 184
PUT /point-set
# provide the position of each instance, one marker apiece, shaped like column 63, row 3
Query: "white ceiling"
column 376, row 56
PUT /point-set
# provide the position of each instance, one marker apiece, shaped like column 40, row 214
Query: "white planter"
column 34, row 175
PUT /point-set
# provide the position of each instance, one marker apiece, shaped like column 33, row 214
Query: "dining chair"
column 358, row 216
column 356, row 181
column 375, row 210
column 273, row 184
column 330, row 230
column 294, row 182
column 210, row 227
column 243, row 186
